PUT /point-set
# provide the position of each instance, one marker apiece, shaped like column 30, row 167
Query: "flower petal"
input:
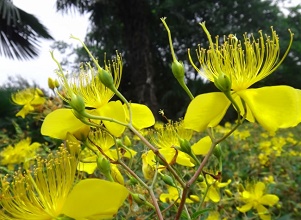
column 245, row 207
column 115, row 110
column 213, row 194
column 61, row 121
column 94, row 197
column 202, row 146
column 206, row 110
column 274, row 107
column 258, row 190
column 269, row 199
column 263, row 212
column 141, row 115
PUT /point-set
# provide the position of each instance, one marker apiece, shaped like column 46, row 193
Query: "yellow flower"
column 244, row 64
column 167, row 139
column 254, row 197
column 86, row 90
column 29, row 99
column 213, row 215
column 173, row 196
column 21, row 152
column 214, row 185
column 105, row 143
column 48, row 192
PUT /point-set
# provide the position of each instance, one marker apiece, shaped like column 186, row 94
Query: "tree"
column 134, row 28
column 19, row 32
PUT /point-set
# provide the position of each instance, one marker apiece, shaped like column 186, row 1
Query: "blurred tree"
column 19, row 32
column 133, row 27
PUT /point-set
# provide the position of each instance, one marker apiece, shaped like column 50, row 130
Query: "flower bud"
column 127, row 141
column 77, row 103
column 185, row 146
column 168, row 180
column 223, row 83
column 200, row 178
column 103, row 165
column 217, row 151
column 106, row 78
column 228, row 193
column 177, row 69
column 51, row 84
column 138, row 198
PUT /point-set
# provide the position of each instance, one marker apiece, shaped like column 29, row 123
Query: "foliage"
column 119, row 25
column 106, row 158
column 20, row 32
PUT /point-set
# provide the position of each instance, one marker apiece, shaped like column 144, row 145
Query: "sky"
column 59, row 26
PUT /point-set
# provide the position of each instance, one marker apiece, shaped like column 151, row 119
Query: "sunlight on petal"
column 202, row 146
column 245, row 207
column 61, row 121
column 206, row 110
column 269, row 199
column 116, row 111
column 274, row 107
column 89, row 195
column 142, row 116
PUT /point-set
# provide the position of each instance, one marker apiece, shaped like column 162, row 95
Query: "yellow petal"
column 142, row 116
column 263, row 212
column 269, row 199
column 206, row 110
column 258, row 190
column 202, row 146
column 87, row 167
column 245, row 207
column 88, row 164
column 181, row 158
column 115, row 110
column 25, row 110
column 213, row 194
column 61, row 121
column 94, row 197
column 274, row 107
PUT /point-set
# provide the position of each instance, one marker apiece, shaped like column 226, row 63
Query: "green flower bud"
column 138, row 198
column 217, row 151
column 77, row 103
column 51, row 83
column 185, row 146
column 223, row 83
column 178, row 70
column 200, row 178
column 127, row 141
column 103, row 165
column 228, row 193
column 119, row 142
column 106, row 78
column 132, row 181
column 168, row 180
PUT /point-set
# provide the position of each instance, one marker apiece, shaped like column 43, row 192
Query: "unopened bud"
column 77, row 103
column 168, row 180
column 138, row 198
column 178, row 70
column 106, row 78
column 127, row 141
column 200, row 178
column 52, row 84
column 223, row 82
column 103, row 165
column 185, row 146
column 228, row 193
column 217, row 151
